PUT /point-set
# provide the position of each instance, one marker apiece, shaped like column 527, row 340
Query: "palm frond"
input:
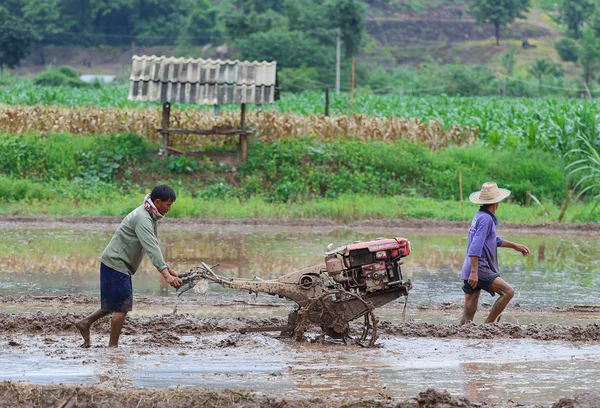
column 585, row 167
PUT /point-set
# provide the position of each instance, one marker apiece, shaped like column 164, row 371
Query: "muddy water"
column 485, row 365
column 524, row 371
column 560, row 271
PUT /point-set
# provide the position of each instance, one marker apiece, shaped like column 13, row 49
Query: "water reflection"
column 561, row 271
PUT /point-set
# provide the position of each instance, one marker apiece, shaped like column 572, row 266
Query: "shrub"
column 567, row 49
column 68, row 71
column 64, row 76
column 183, row 164
column 7, row 77
column 17, row 190
column 58, row 156
column 219, row 189
column 300, row 169
column 50, row 78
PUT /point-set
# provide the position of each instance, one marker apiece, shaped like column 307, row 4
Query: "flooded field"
column 545, row 348
column 560, row 271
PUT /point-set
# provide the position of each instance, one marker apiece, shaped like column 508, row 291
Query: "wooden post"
column 564, row 207
column 527, row 199
column 244, row 137
column 462, row 201
column 326, row 101
column 352, row 86
column 541, row 252
column 166, row 116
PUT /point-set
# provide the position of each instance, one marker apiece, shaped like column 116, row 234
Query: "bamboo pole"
column 462, row 201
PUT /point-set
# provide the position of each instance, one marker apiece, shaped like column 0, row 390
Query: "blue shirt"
column 482, row 243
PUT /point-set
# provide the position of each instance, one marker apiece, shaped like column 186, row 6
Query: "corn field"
column 269, row 126
column 549, row 124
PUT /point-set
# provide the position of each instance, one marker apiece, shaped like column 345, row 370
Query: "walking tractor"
column 356, row 279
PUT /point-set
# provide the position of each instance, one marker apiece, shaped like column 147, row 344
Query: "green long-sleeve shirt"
column 136, row 235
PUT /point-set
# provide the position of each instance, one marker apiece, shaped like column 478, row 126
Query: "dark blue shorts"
column 116, row 294
column 482, row 283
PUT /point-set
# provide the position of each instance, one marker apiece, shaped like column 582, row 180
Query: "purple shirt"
column 483, row 243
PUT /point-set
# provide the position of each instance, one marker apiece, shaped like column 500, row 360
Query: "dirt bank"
column 63, row 396
column 305, row 224
column 20, row 395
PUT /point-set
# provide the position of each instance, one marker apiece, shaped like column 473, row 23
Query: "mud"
column 163, row 326
column 212, row 364
column 20, row 395
column 297, row 225
column 189, row 351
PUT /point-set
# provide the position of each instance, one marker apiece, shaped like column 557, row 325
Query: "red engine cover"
column 401, row 244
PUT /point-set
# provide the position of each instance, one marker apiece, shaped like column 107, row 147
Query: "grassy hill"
column 400, row 33
column 410, row 32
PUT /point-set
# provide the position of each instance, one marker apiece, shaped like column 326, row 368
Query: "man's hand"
column 522, row 249
column 517, row 247
column 171, row 278
column 474, row 275
column 473, row 279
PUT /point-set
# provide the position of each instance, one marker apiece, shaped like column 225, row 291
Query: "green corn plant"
column 586, row 168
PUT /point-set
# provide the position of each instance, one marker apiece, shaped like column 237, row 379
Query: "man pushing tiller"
column 137, row 234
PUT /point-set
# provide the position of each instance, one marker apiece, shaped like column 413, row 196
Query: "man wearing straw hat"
column 480, row 269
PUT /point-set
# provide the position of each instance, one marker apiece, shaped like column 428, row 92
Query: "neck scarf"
column 151, row 208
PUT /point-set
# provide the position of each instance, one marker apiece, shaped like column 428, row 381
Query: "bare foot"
column 85, row 333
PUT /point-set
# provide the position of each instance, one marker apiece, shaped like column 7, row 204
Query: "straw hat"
column 489, row 194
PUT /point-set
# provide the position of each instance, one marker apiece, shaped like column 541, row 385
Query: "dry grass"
column 269, row 126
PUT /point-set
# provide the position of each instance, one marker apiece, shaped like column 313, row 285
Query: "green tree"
column 574, row 14
column 590, row 57
column 498, row 12
column 349, row 17
column 541, row 68
column 113, row 19
column 261, row 6
column 200, row 25
column 567, row 49
column 16, row 39
column 158, row 22
column 508, row 62
column 310, row 17
column 291, row 49
column 298, row 79
column 44, row 16
column 239, row 24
